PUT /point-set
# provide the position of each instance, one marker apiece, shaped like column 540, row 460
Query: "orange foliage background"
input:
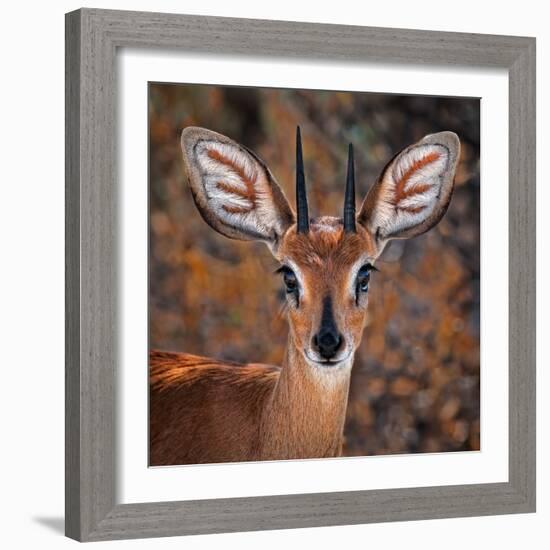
column 415, row 382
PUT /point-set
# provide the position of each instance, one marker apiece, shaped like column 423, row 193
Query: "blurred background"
column 415, row 382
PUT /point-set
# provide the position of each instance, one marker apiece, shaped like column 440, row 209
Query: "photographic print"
column 314, row 274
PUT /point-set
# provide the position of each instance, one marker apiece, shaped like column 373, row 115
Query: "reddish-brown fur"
column 325, row 256
column 203, row 410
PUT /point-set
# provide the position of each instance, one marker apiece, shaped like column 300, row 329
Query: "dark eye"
column 363, row 279
column 289, row 279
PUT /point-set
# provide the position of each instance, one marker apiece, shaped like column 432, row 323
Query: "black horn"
column 301, row 196
column 349, row 198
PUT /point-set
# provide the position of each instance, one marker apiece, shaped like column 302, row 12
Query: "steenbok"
column 205, row 410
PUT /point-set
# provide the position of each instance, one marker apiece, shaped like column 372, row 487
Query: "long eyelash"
column 287, row 270
column 283, row 269
column 370, row 268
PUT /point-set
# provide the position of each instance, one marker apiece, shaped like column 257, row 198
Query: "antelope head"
column 326, row 262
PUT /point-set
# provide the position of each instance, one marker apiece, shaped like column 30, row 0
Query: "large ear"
column 414, row 189
column 234, row 191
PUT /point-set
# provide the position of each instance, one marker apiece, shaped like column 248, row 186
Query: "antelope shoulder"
column 203, row 410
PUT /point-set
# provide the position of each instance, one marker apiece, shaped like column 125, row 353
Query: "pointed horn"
column 349, row 198
column 301, row 196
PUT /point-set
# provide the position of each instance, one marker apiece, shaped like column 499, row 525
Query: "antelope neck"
column 305, row 416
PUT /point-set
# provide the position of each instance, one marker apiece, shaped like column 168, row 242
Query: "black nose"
column 327, row 343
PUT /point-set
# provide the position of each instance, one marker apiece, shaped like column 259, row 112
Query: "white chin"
column 345, row 361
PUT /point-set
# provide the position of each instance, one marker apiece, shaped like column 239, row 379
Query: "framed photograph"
column 300, row 280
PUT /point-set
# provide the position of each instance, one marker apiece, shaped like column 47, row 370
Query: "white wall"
column 31, row 305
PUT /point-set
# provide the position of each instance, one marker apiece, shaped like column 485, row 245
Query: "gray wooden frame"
column 92, row 39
